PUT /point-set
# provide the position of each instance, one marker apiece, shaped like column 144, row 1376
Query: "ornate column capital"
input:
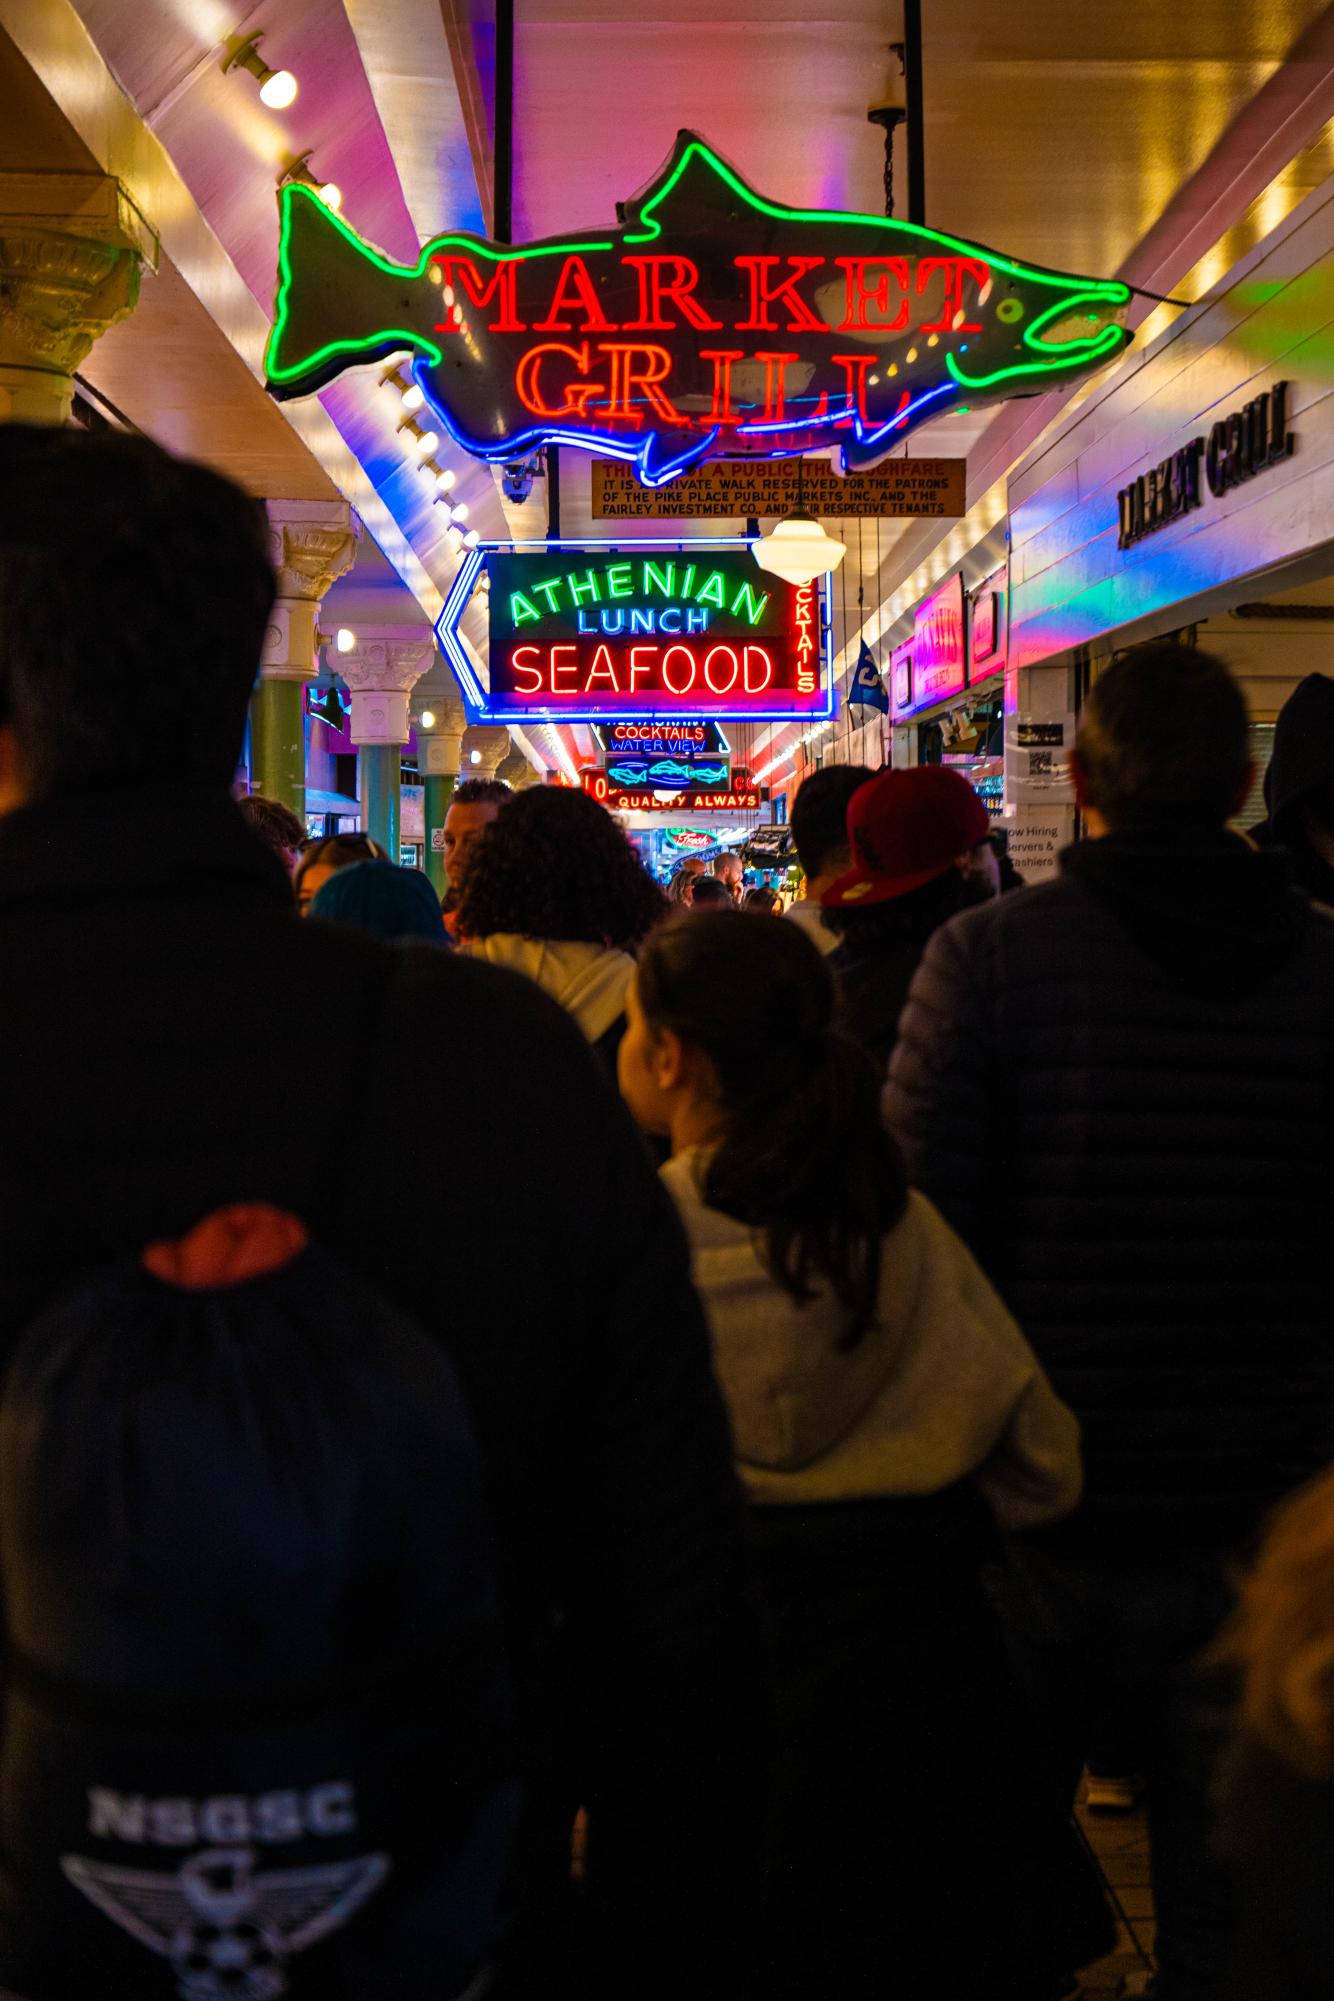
column 440, row 748
column 311, row 543
column 492, row 740
column 381, row 671
column 71, row 249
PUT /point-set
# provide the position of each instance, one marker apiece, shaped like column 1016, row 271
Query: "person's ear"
column 1079, row 778
column 668, row 1059
column 1244, row 788
column 14, row 790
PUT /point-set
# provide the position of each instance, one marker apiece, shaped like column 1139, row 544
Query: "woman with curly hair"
column 555, row 891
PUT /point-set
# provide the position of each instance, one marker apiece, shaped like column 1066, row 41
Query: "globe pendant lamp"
column 797, row 549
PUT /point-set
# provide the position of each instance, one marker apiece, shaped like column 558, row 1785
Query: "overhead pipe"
column 912, row 91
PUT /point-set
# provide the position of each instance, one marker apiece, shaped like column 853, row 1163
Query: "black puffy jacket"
column 1301, row 766
column 1119, row 1087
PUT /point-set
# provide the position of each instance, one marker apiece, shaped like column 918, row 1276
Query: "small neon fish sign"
column 711, row 323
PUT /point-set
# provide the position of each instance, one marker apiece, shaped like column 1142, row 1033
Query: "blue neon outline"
column 639, row 455
column 478, row 700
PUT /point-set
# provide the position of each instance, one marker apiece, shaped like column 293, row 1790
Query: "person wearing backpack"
column 177, row 1043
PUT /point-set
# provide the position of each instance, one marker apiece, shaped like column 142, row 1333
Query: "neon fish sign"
column 668, row 774
column 710, row 323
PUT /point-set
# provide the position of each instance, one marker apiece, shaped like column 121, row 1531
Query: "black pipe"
column 912, row 90
column 553, row 494
column 502, row 193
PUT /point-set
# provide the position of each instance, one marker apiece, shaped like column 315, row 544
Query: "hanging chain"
column 888, row 118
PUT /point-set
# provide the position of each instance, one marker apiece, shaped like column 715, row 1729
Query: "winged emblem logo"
column 228, row 1929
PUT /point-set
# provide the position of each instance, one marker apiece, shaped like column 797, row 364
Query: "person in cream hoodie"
column 555, row 891
column 889, row 1420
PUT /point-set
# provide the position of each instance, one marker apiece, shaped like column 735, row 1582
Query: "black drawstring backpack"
column 254, row 1734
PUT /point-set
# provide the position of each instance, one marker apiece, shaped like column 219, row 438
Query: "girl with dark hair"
column 322, row 858
column 762, row 900
column 887, row 1415
column 555, row 891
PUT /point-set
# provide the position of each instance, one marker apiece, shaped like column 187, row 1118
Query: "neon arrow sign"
column 712, row 322
column 652, row 633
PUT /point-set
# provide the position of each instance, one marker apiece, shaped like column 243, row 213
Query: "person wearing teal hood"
column 1299, row 787
column 388, row 901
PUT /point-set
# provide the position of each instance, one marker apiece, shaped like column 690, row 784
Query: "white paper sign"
column 1035, row 841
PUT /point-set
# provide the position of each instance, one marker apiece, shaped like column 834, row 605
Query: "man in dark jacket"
column 918, row 842
column 1119, row 1086
column 1299, row 787
column 171, row 1029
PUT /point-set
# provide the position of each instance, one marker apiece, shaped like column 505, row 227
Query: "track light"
column 427, row 442
column 460, row 510
column 413, row 397
column 300, row 170
column 277, row 87
column 446, row 479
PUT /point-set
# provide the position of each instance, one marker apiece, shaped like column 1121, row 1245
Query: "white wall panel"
column 1273, row 321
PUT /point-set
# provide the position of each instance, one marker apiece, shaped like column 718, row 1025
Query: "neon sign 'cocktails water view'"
column 711, row 322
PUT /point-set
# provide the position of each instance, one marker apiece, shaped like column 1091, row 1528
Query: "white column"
column 311, row 543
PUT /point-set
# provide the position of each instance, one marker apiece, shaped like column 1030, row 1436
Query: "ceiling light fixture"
column 277, row 87
column 300, row 170
column 428, row 719
column 797, row 549
column 344, row 639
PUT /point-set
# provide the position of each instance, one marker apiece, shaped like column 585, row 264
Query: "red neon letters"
column 630, row 383
column 703, row 670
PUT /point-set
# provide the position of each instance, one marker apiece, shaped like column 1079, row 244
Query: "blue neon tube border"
column 446, row 632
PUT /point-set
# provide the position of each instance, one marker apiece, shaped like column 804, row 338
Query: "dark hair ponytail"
column 803, row 1156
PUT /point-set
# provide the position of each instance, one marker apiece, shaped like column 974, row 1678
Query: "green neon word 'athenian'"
column 616, row 583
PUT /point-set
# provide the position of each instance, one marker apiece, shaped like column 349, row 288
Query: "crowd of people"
column 610, row 1440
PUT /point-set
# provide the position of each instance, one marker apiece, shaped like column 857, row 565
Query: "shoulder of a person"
column 986, row 925
column 498, row 1016
column 927, row 1253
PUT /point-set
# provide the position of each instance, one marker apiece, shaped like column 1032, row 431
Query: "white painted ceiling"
column 1059, row 131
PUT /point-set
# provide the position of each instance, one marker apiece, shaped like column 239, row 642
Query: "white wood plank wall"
column 1273, row 321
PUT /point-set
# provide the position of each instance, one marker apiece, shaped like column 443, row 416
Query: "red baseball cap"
column 904, row 829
